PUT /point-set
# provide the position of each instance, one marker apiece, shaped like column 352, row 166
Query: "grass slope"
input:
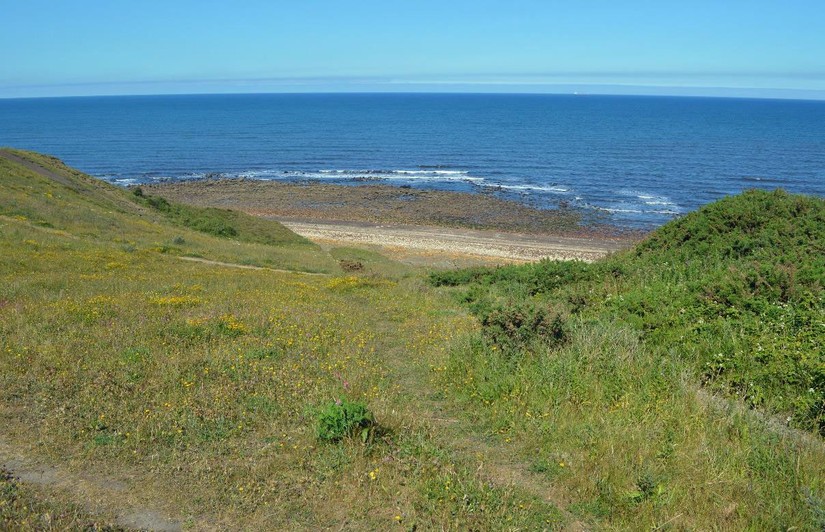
column 222, row 222
column 198, row 386
column 48, row 194
column 574, row 399
column 597, row 368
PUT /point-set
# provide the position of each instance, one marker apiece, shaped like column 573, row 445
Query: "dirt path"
column 34, row 167
column 246, row 266
column 454, row 431
column 508, row 246
column 97, row 492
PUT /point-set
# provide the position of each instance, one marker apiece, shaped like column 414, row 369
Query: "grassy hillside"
column 610, row 367
column 735, row 291
column 199, row 387
column 46, row 193
column 221, row 222
column 553, row 395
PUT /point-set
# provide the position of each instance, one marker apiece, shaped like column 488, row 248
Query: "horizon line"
column 579, row 93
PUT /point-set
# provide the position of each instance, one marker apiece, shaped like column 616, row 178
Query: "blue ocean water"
column 640, row 161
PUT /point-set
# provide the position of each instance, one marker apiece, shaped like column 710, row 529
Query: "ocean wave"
column 554, row 189
column 617, row 210
column 346, row 175
column 260, row 174
column 653, row 200
column 636, row 203
column 414, row 173
column 393, row 175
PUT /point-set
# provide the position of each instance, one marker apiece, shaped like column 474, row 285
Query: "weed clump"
column 344, row 418
column 351, row 265
column 514, row 324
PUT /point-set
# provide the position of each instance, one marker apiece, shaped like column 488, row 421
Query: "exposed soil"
column 244, row 266
column 38, row 169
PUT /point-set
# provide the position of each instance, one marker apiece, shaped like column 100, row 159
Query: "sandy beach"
column 433, row 241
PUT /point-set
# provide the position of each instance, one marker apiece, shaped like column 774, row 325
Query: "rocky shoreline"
column 383, row 204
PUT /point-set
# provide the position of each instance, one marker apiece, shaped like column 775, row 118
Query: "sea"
column 636, row 162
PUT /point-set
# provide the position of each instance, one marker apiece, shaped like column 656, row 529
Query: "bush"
column 210, row 222
column 514, row 324
column 351, row 265
column 735, row 291
column 344, row 418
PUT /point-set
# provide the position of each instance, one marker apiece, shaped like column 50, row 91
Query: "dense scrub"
column 611, row 402
column 734, row 290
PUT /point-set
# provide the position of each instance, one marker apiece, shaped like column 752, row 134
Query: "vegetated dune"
column 734, row 290
column 677, row 384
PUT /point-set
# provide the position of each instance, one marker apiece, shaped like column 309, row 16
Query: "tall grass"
column 727, row 300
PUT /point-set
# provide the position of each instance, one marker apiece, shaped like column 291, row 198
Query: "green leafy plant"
column 344, row 418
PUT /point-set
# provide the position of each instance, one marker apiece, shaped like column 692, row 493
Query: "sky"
column 753, row 48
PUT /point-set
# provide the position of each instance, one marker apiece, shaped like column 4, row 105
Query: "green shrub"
column 343, row 418
column 514, row 324
column 211, row 223
column 734, row 291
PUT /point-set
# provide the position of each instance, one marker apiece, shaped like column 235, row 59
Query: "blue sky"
column 767, row 48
